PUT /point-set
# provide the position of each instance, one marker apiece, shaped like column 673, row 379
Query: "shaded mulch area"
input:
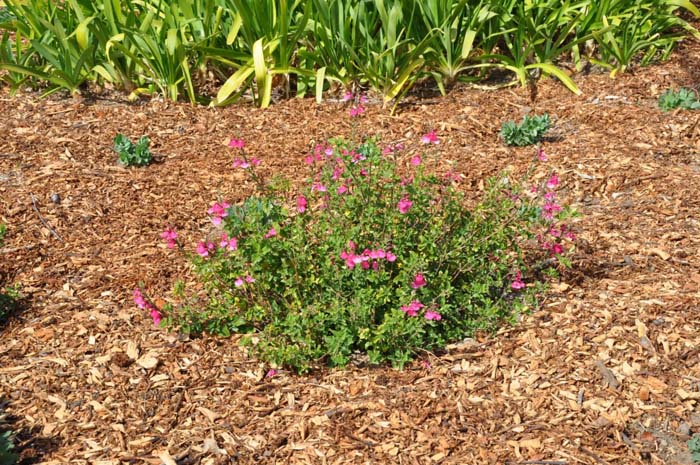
column 607, row 371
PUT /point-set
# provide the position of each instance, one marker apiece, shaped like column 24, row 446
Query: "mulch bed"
column 607, row 371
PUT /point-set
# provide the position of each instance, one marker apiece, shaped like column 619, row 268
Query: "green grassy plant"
column 308, row 47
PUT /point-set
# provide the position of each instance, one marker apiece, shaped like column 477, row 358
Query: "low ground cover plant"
column 130, row 154
column 684, row 98
column 8, row 294
column 529, row 131
column 378, row 256
column 7, row 456
column 694, row 448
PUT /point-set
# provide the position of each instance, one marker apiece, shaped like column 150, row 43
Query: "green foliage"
column 686, row 99
column 248, row 47
column 8, row 295
column 529, row 131
column 131, row 154
column 6, row 15
column 694, row 448
column 366, row 259
column 7, row 457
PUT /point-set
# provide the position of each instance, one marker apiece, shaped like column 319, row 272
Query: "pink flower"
column 238, row 163
column 238, row 282
column 318, row 187
column 430, row 138
column 156, row 316
column 204, row 248
column 418, row 281
column 301, row 204
column 541, row 155
column 390, row 257
column 549, row 209
column 228, row 243
column 549, row 196
column 270, row 373
column 337, row 172
column 556, row 249
column 236, row 143
column 357, row 157
column 342, row 189
column 309, row 160
column 451, row 176
column 431, row 315
column 363, row 98
column 412, row 308
column 553, row 181
column 254, row 161
column 426, row 364
column 404, row 205
column 351, row 245
column 415, row 161
column 139, row 299
column 271, row 233
column 518, row 282
column 356, row 111
column 169, row 234
column 347, row 96
column 249, row 279
column 217, row 212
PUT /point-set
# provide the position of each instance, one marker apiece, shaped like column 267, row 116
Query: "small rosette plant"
column 372, row 257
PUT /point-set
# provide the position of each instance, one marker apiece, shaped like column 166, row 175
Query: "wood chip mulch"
column 606, row 372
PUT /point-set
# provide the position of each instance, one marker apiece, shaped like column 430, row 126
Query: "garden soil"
column 607, row 371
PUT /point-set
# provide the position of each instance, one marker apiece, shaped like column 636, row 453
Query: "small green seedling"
column 694, row 448
column 131, row 154
column 684, row 98
column 529, row 132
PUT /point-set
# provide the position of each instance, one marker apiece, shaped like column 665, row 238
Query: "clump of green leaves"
column 684, row 98
column 131, row 154
column 7, row 456
column 694, row 448
column 367, row 259
column 529, row 131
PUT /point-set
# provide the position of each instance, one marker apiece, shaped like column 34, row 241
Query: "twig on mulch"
column 538, row 462
column 592, row 455
column 43, row 221
column 16, row 249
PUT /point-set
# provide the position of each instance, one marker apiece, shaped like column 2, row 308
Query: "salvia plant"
column 130, row 154
column 529, row 131
column 368, row 259
column 684, row 98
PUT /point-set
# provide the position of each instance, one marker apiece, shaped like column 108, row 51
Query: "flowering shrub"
column 368, row 258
